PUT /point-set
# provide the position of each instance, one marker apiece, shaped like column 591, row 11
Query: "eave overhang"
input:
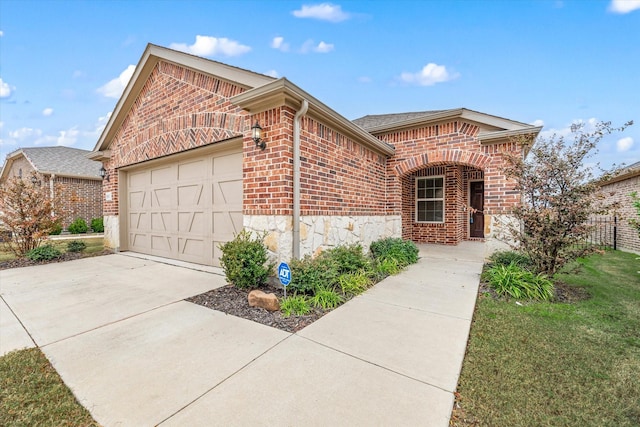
column 283, row 92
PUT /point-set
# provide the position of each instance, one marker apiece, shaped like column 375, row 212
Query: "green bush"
column 44, row 253
column 309, row 273
column 78, row 226
column 56, row 229
column 245, row 261
column 347, row 259
column 97, row 225
column 508, row 257
column 76, row 246
column 516, row 282
column 326, row 298
column 295, row 304
column 387, row 267
column 352, row 284
column 404, row 252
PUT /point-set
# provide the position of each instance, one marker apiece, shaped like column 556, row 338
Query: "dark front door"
column 476, row 217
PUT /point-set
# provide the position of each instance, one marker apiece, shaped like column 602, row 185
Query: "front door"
column 476, row 217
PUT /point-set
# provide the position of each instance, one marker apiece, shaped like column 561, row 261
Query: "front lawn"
column 32, row 393
column 552, row 364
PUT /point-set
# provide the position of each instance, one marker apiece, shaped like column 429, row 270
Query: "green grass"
column 94, row 245
column 32, row 393
column 552, row 364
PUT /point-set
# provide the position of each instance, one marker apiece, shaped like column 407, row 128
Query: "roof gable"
column 150, row 58
column 59, row 160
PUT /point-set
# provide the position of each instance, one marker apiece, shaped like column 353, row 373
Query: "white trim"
column 444, row 199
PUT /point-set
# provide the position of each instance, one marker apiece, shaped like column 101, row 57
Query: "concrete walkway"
column 117, row 330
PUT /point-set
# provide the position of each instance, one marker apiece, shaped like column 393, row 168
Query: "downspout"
column 296, row 178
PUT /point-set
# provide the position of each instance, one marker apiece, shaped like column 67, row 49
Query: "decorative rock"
column 269, row 301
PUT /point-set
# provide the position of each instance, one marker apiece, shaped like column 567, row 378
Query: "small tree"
column 559, row 194
column 635, row 202
column 26, row 210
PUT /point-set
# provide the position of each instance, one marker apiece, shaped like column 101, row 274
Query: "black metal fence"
column 604, row 232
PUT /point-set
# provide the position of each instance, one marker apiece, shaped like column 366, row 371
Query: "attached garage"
column 184, row 206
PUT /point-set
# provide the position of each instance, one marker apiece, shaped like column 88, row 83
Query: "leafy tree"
column 559, row 194
column 635, row 201
column 26, row 211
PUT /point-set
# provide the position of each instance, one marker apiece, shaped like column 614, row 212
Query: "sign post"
column 284, row 274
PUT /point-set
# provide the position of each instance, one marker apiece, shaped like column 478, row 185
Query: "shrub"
column 508, row 257
column 76, row 246
column 245, row 261
column 352, row 284
column 386, row 267
column 326, row 298
column 310, row 273
column 404, row 252
column 56, row 229
column 295, row 304
column 43, row 253
column 347, row 259
column 516, row 282
column 78, row 226
column 97, row 225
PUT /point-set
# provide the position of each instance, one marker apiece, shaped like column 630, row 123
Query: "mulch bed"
column 67, row 256
column 231, row 300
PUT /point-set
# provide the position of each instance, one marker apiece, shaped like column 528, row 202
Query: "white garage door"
column 184, row 209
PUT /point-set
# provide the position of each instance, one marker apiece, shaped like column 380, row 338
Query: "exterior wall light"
column 35, row 180
column 256, row 134
column 104, row 174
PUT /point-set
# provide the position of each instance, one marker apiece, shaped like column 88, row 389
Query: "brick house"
column 618, row 190
column 64, row 169
column 185, row 174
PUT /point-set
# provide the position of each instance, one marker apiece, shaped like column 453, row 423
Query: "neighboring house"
column 619, row 190
column 63, row 169
column 185, row 175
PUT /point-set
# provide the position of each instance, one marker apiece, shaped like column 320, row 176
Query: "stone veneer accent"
column 111, row 232
column 318, row 233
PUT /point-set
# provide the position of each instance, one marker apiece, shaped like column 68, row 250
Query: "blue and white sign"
column 284, row 273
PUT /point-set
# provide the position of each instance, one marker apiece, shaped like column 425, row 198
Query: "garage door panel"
column 185, row 209
column 192, row 222
column 190, row 195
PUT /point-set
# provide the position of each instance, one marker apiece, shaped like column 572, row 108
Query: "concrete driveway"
column 117, row 330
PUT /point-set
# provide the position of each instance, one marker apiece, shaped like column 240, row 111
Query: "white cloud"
column 115, row 87
column 1, row 33
column 279, row 43
column 324, row 47
column 311, row 46
column 323, row 11
column 272, row 73
column 429, row 75
column 565, row 131
column 624, row 6
column 68, row 137
column 47, row 112
column 365, row 79
column 538, row 123
column 624, row 144
column 78, row 74
column 209, row 46
column 24, row 133
column 5, row 89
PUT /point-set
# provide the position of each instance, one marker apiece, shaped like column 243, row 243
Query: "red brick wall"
column 451, row 149
column 81, row 198
column 628, row 238
column 178, row 109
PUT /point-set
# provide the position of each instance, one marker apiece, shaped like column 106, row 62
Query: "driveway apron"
column 134, row 353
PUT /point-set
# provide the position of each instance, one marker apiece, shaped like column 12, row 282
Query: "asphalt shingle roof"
column 62, row 160
column 374, row 120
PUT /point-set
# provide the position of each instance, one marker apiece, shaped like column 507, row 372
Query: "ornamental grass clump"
column 516, row 282
column 401, row 252
column 245, row 261
column 295, row 304
column 326, row 298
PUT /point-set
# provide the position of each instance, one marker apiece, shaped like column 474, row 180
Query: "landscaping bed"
column 231, row 300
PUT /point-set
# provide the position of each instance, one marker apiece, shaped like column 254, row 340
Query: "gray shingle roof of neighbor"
column 62, row 160
column 374, row 120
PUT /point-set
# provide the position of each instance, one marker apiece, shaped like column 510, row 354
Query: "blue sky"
column 63, row 64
